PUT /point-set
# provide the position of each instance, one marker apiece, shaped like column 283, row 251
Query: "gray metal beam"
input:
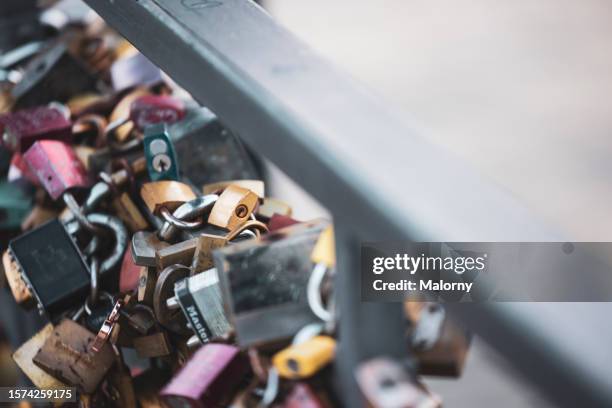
column 362, row 161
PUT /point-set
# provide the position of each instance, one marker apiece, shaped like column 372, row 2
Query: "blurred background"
column 518, row 89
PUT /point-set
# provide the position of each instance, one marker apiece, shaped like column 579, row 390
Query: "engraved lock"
column 439, row 344
column 44, row 78
column 199, row 298
column 24, row 357
column 171, row 318
column 168, row 194
column 386, row 384
column 305, row 359
column 22, row 128
column 162, row 163
column 57, row 167
column 271, row 206
column 133, row 69
column 67, row 355
column 256, row 186
column 199, row 134
column 52, row 267
column 234, row 206
column 212, row 373
column 15, row 204
column 264, row 283
column 19, row 288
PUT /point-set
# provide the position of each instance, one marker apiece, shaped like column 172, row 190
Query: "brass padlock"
column 256, row 186
column 67, row 354
column 19, row 288
column 305, row 359
column 24, row 359
column 233, row 207
column 180, row 253
column 127, row 211
column 202, row 256
column 168, row 194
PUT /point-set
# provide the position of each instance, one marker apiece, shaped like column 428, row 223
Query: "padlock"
column 19, row 288
column 256, row 186
column 199, row 297
column 15, row 205
column 44, row 78
column 305, row 359
column 146, row 285
column 133, row 69
column 129, row 274
column 208, row 378
column 170, row 318
column 22, row 128
column 302, row 396
column 145, row 245
column 271, row 206
column 149, row 110
column 439, row 344
column 386, row 384
column 52, row 266
column 264, row 283
column 24, row 357
column 122, row 127
column 66, row 354
column 19, row 169
column 202, row 256
column 125, row 208
column 233, row 207
column 57, row 167
column 180, row 253
column 168, row 194
column 162, row 163
column 199, row 134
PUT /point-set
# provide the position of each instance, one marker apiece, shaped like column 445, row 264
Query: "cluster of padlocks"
column 146, row 239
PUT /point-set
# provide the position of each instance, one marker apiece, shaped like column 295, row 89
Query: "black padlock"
column 52, row 266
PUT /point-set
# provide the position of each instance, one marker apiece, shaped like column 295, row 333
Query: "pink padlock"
column 56, row 166
column 22, row 128
column 153, row 109
column 211, row 374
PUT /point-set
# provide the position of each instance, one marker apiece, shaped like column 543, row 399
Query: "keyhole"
column 241, row 211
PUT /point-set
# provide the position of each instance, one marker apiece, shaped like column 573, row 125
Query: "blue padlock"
column 162, row 163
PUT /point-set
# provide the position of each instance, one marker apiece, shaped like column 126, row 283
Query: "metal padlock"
column 57, row 167
column 208, row 378
column 199, row 134
column 168, row 194
column 199, row 297
column 170, row 318
column 44, row 78
column 305, row 359
column 439, row 344
column 66, row 354
column 52, row 266
column 234, row 207
column 256, row 186
column 145, row 245
column 386, row 384
column 264, row 283
column 22, row 128
column 180, row 253
column 271, row 206
column 162, row 163
column 24, row 357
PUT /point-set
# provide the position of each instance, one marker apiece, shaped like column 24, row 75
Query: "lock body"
column 305, row 359
column 211, row 374
column 233, row 207
column 52, row 267
column 57, row 167
column 162, row 163
column 22, row 128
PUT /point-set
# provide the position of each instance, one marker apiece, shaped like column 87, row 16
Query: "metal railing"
column 378, row 178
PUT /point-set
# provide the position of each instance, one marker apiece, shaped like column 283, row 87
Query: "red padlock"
column 22, row 128
column 129, row 275
column 56, row 166
column 152, row 109
column 19, row 169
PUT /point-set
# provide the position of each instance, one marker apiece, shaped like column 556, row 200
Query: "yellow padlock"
column 305, row 359
column 324, row 250
column 167, row 193
column 233, row 208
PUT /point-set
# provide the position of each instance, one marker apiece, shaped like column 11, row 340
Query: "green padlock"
column 15, row 205
column 162, row 163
